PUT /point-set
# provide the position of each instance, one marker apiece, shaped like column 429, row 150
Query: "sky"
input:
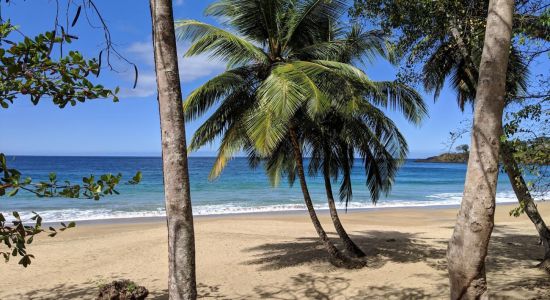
column 130, row 127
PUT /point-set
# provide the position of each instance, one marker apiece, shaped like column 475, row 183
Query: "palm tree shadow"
column 380, row 246
column 308, row 286
column 303, row 286
column 508, row 247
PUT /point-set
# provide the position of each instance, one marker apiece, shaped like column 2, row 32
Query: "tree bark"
column 337, row 258
column 181, row 239
column 526, row 201
column 514, row 174
column 349, row 245
column 468, row 246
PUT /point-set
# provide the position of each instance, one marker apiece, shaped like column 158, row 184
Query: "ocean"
column 238, row 190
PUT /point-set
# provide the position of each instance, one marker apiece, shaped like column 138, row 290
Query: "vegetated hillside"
column 447, row 158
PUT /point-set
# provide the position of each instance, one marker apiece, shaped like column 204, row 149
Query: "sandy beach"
column 277, row 256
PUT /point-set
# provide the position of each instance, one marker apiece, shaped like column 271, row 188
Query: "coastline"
column 278, row 256
column 277, row 213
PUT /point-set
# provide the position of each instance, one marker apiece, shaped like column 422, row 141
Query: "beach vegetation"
column 286, row 60
column 447, row 47
column 464, row 148
column 29, row 70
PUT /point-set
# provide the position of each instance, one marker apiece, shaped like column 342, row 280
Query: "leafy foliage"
column 464, row 148
column 27, row 68
column 16, row 236
column 440, row 43
column 527, row 135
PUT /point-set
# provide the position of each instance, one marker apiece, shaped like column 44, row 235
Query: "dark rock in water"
column 122, row 290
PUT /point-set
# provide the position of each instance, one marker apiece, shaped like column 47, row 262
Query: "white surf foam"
column 74, row 214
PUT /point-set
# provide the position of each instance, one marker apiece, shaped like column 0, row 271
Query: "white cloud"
column 191, row 68
column 142, row 51
column 146, row 86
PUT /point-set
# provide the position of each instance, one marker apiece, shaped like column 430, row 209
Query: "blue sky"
column 131, row 126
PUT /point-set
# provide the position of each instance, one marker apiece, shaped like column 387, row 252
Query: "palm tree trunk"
column 181, row 239
column 337, row 258
column 468, row 246
column 350, row 246
column 526, row 201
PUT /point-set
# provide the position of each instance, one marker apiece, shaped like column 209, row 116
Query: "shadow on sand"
column 381, row 247
column 511, row 252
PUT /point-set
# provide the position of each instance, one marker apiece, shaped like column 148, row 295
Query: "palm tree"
column 457, row 59
column 281, row 64
column 181, row 237
column 333, row 143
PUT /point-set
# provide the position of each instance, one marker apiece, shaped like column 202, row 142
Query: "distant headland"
column 446, row 158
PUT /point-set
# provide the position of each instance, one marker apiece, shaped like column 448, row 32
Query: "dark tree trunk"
column 349, row 245
column 181, row 239
column 337, row 258
column 526, row 201
column 468, row 246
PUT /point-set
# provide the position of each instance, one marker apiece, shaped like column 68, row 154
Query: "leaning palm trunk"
column 350, row 246
column 181, row 240
column 337, row 258
column 468, row 246
column 526, row 201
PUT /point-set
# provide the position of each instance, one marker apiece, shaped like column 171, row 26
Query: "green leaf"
column 13, row 192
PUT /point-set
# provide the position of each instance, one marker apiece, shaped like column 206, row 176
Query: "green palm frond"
column 308, row 20
column 439, row 66
column 346, row 158
column 448, row 62
column 202, row 98
column 230, row 112
column 400, row 97
column 279, row 99
column 256, row 20
column 280, row 163
column 218, row 43
column 379, row 164
column 234, row 139
column 365, row 45
column 347, row 72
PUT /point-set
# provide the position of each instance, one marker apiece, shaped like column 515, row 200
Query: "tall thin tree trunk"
column 514, row 174
column 181, row 238
column 350, row 246
column 526, row 201
column 337, row 258
column 468, row 246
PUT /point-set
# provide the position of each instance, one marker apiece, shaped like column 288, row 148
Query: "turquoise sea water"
column 238, row 190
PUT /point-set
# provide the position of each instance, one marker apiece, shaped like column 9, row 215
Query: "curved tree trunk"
column 181, row 239
column 526, row 201
column 337, row 258
column 468, row 246
column 350, row 246
column 514, row 174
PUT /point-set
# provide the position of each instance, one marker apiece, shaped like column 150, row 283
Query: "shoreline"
column 279, row 256
column 280, row 213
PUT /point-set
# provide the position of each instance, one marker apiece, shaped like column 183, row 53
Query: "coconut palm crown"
column 285, row 58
